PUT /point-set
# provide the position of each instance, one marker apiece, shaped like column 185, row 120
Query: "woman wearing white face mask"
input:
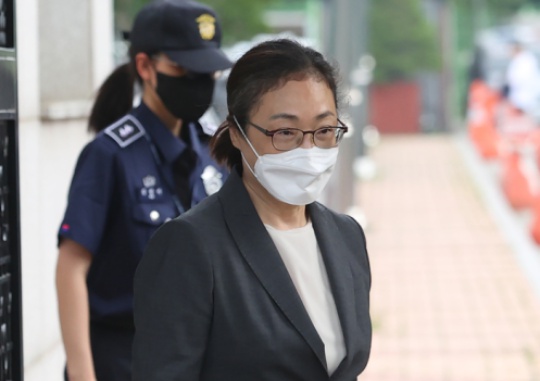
column 296, row 175
column 261, row 282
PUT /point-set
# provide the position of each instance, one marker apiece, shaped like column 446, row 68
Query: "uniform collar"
column 169, row 146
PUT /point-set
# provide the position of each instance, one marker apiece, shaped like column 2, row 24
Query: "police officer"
column 150, row 165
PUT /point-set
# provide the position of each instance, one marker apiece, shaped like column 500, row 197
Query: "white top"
column 302, row 257
column 523, row 78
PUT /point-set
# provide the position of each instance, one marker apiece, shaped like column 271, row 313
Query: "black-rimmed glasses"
column 286, row 139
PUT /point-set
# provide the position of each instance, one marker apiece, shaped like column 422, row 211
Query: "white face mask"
column 296, row 177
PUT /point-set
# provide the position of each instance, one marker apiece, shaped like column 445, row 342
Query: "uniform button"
column 154, row 215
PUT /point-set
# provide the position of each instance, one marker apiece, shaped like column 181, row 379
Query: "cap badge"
column 207, row 26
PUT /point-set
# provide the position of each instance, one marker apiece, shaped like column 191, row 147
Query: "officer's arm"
column 73, row 264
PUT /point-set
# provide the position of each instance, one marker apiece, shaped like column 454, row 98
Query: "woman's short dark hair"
column 265, row 67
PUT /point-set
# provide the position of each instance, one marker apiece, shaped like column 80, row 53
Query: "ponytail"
column 114, row 98
column 222, row 148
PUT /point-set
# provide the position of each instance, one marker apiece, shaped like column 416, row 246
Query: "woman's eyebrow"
column 294, row 117
column 325, row 115
column 284, row 116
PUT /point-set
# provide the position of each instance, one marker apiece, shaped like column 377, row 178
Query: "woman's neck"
column 273, row 212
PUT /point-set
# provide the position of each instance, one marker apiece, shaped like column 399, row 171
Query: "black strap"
column 182, row 168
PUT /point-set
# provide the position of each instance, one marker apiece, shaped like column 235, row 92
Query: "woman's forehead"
column 297, row 95
column 305, row 97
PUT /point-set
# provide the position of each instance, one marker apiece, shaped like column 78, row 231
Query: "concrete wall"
column 46, row 166
column 64, row 51
column 28, row 59
column 75, row 52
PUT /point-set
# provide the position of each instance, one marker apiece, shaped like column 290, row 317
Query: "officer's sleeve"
column 89, row 196
column 173, row 305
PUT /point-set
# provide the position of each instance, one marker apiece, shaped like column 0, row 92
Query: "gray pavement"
column 455, row 274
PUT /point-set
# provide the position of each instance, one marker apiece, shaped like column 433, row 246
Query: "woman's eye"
column 285, row 132
column 324, row 131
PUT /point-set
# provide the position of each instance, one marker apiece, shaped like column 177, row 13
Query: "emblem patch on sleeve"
column 212, row 180
column 125, row 131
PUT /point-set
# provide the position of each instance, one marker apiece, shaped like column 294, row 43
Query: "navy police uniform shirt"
column 122, row 191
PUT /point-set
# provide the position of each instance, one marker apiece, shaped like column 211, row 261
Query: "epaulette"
column 125, row 131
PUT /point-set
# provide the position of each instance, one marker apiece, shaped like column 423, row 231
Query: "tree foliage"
column 401, row 40
column 500, row 8
column 125, row 11
column 240, row 19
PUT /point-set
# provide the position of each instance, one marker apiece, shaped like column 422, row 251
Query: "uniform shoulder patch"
column 125, row 131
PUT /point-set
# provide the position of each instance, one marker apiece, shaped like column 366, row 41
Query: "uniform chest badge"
column 149, row 181
column 150, row 191
column 212, row 179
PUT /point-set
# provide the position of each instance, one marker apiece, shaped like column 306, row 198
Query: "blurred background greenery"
column 405, row 37
column 241, row 19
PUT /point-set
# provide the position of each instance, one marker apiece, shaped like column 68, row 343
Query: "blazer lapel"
column 333, row 251
column 260, row 253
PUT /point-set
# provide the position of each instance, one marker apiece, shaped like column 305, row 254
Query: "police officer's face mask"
column 186, row 97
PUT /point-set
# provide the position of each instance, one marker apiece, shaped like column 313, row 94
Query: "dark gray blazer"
column 214, row 301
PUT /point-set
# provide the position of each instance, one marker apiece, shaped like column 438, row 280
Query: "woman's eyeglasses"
column 286, row 139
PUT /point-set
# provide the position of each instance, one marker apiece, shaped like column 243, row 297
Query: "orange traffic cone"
column 534, row 139
column 535, row 227
column 481, row 119
column 475, row 113
column 515, row 185
column 488, row 141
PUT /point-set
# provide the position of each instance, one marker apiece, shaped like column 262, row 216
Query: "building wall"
column 64, row 51
column 75, row 51
column 46, row 166
column 28, row 59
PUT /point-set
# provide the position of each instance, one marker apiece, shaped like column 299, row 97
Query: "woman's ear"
column 143, row 65
column 236, row 136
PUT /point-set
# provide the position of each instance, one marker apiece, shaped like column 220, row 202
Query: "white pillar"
column 64, row 51
column 102, row 41
column 76, row 40
column 28, row 59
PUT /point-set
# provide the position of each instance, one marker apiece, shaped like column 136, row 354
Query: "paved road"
column 454, row 295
